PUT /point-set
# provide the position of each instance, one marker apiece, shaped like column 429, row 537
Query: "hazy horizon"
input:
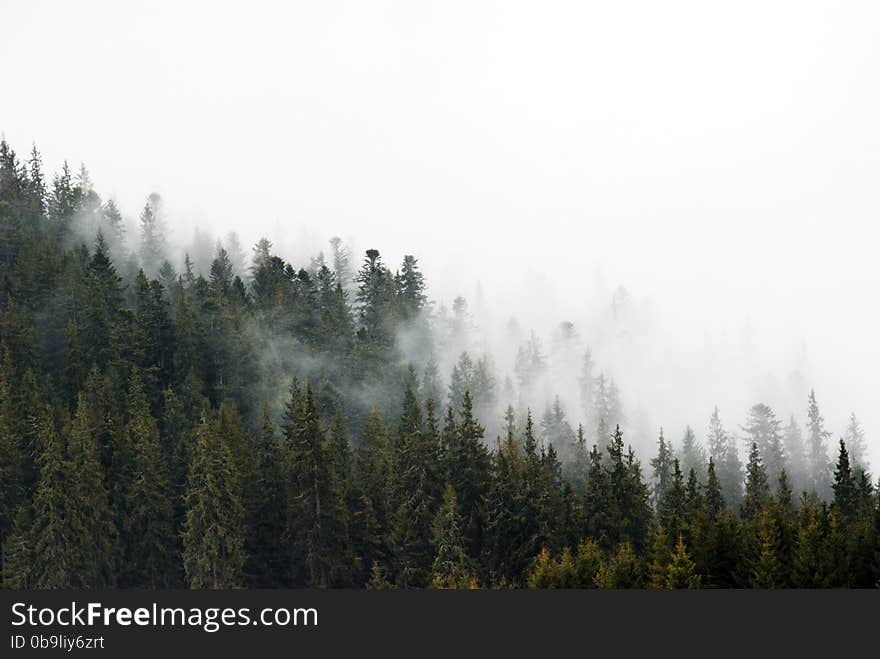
column 533, row 161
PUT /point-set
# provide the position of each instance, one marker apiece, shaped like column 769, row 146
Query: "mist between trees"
column 225, row 420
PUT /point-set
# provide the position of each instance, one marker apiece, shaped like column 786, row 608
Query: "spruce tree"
column 757, row 486
column 662, row 465
column 149, row 522
column 818, row 465
column 722, row 448
column 856, row 445
column 213, row 535
column 844, row 486
column 268, row 550
column 681, row 571
column 763, row 430
column 451, row 567
column 693, row 455
column 51, row 537
column 91, row 528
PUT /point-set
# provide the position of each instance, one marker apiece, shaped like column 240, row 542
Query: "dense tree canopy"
column 175, row 420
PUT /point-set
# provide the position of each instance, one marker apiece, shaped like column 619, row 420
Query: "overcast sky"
column 721, row 160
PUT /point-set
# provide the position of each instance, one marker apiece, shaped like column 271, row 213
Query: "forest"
column 226, row 420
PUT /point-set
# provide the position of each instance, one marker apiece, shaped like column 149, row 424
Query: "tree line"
column 226, row 427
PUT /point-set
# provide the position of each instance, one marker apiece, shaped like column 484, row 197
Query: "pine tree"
column 149, row 521
column 818, row 465
column 662, row 465
column 763, row 429
column 855, row 442
column 87, row 512
column 660, row 557
column 152, row 247
column 12, row 492
column 622, row 570
column 268, row 551
column 415, row 469
column 673, row 512
column 794, row 452
column 767, row 571
column 693, row 456
column 51, row 535
column 844, row 486
column 715, row 503
column 681, row 571
column 757, row 486
column 470, row 476
column 317, row 525
column 213, row 535
column 373, row 471
column 451, row 567
column 722, row 449
column 411, row 296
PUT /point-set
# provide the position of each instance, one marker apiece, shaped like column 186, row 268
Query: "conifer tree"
column 693, row 455
column 662, row 465
column 819, row 467
column 660, row 557
column 844, row 486
column 53, row 563
column 672, row 515
column 149, row 521
column 763, row 430
column 722, row 448
column 757, row 487
column 794, row 452
column 373, row 471
column 767, row 572
column 317, row 524
column 268, row 551
column 856, row 445
column 86, row 510
column 470, row 478
column 451, row 567
column 213, row 535
column 715, row 503
column 681, row 571
column 12, row 485
column 622, row 570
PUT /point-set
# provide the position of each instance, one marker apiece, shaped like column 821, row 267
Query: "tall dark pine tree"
column 375, row 299
column 470, row 475
column 373, row 476
column 662, row 465
column 53, row 561
column 411, row 296
column 149, row 521
column 844, row 485
column 316, row 519
column 268, row 551
column 757, row 486
column 12, row 485
column 87, row 512
column 415, row 496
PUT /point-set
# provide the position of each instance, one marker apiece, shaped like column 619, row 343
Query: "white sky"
column 722, row 161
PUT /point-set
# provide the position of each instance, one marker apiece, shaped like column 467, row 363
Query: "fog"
column 720, row 164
